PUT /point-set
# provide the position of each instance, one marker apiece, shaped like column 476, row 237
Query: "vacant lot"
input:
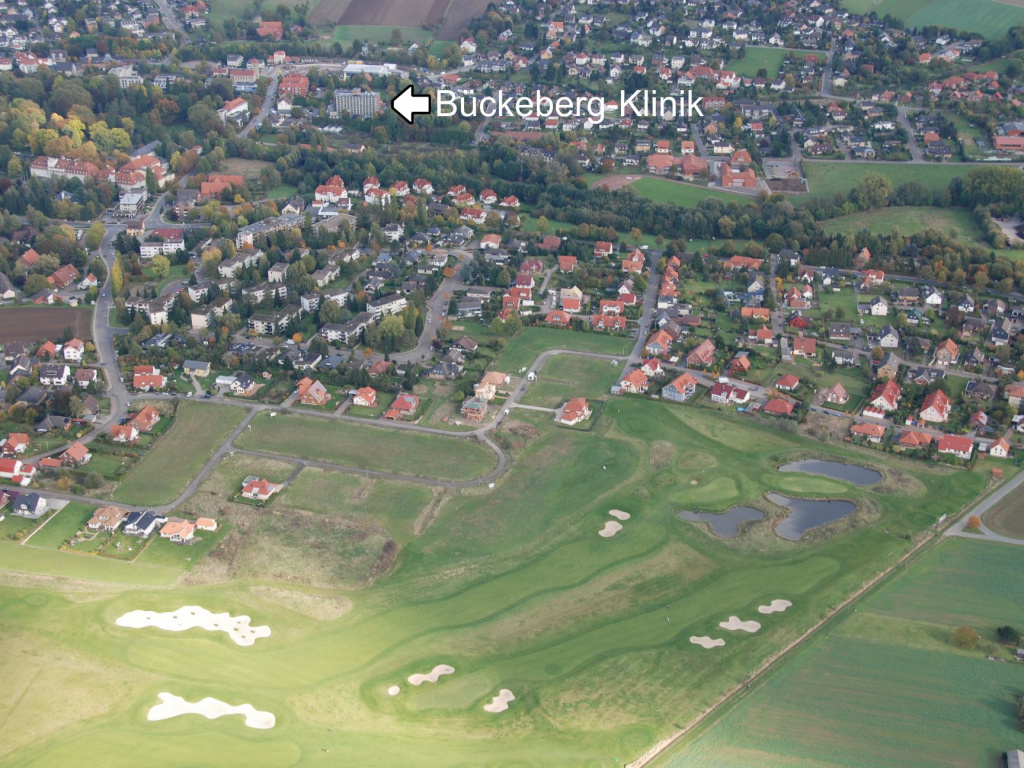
column 366, row 447
column 36, row 323
column 567, row 376
column 886, row 687
column 198, row 431
column 240, row 166
column 986, row 17
column 827, row 178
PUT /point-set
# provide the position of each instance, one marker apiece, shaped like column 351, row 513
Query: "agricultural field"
column 375, row 448
column 511, row 586
column 988, row 18
column 826, row 178
column 884, row 685
column 38, row 323
column 1007, row 517
column 198, row 431
column 346, row 33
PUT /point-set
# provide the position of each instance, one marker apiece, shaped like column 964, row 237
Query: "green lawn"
column 522, row 350
column 827, row 178
column 368, row 447
column 510, row 585
column 684, row 194
column 757, row 58
column 988, row 18
column 281, row 192
column 885, row 686
column 70, row 519
column 567, row 376
column 199, row 429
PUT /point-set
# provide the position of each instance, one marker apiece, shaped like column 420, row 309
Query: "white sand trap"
column 610, row 529
column 707, row 642
column 500, row 702
column 734, row 623
column 619, row 514
column 432, row 676
column 192, row 616
column 693, row 482
column 394, row 690
column 172, row 706
column 776, row 606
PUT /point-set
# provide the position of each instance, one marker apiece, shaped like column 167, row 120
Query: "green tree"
column 161, row 266
column 94, row 236
column 872, row 191
column 966, row 638
column 1008, row 635
column 117, row 278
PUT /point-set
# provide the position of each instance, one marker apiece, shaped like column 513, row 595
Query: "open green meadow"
column 828, row 178
column 759, row 58
column 988, row 18
column 512, row 586
column 346, row 33
column 520, row 351
column 682, row 193
column 199, row 429
column 567, row 376
column 368, row 447
column 910, row 221
column 884, row 685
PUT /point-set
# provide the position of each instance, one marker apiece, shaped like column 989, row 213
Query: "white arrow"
column 408, row 104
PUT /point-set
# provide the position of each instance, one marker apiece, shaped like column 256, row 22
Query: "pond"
column 726, row 524
column 851, row 473
column 808, row 513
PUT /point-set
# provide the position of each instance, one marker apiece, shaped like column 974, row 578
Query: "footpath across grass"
column 369, row 447
column 199, row 429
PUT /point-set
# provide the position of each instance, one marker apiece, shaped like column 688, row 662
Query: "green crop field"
column 680, row 193
column 199, row 429
column 827, row 178
column 346, row 33
column 885, row 686
column 367, row 447
column 512, row 586
column 988, row 18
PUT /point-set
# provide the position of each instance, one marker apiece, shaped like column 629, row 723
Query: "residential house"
column 574, row 411
column 258, row 489
column 680, row 389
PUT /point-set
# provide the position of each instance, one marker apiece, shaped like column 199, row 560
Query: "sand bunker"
column 394, row 690
column 610, row 529
column 776, row 606
column 192, row 616
column 734, row 623
column 172, row 706
column 500, row 702
column 707, row 642
column 432, row 676
column 693, row 482
column 619, row 514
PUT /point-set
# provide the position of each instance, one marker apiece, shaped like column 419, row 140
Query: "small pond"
column 851, row 473
column 726, row 524
column 808, row 513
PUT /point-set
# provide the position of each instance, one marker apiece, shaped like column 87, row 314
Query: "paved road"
column 267, row 105
column 987, row 534
column 915, row 148
column 437, row 309
column 171, row 20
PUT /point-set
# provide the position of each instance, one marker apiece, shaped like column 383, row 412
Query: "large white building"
column 358, row 103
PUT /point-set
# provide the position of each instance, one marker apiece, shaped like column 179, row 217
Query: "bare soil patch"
column 662, row 454
column 795, row 186
column 250, row 169
column 618, row 181
column 458, row 16
column 37, row 323
column 392, row 13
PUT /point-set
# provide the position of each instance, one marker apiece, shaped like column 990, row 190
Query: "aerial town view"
column 528, row 383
